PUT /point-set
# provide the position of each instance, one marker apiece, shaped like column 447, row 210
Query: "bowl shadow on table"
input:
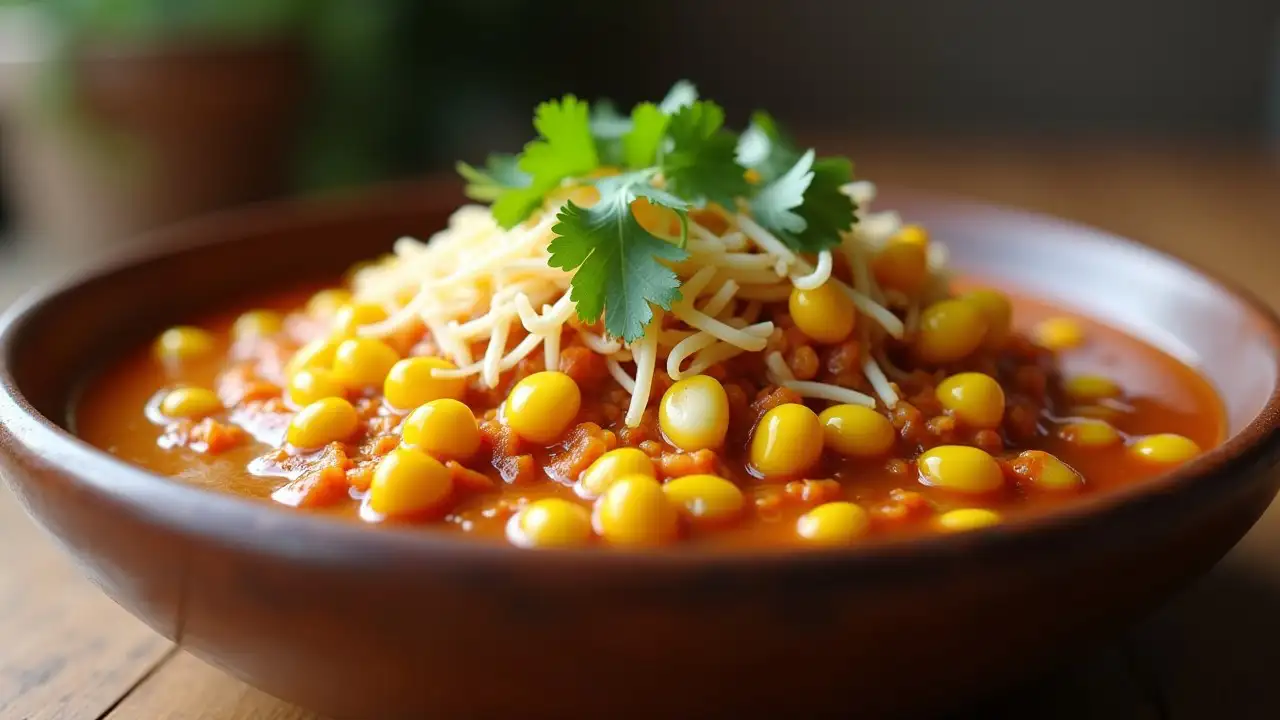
column 1210, row 652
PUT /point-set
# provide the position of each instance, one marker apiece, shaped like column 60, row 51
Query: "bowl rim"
column 268, row 529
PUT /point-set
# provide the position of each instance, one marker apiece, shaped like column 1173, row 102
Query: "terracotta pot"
column 153, row 135
column 367, row 622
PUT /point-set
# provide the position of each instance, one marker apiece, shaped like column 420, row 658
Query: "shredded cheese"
column 879, row 383
column 779, row 372
column 620, row 375
column 645, row 351
column 477, row 287
column 826, row 391
column 818, row 277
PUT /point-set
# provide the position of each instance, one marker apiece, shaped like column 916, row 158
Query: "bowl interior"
column 1227, row 336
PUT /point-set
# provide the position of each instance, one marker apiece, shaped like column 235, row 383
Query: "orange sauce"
column 1161, row 396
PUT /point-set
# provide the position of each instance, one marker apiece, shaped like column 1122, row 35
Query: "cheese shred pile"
column 489, row 299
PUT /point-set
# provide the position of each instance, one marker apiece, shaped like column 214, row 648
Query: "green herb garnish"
column 677, row 155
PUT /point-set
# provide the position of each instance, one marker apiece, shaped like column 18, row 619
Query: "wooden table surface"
column 66, row 651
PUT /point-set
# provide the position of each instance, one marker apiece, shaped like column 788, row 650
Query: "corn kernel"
column 705, row 499
column 183, row 343
column 444, row 428
column 635, row 512
column 1165, row 449
column 190, row 402
column 541, row 407
column 967, row 519
column 694, row 413
column 613, row 465
column 550, row 522
column 787, row 441
column 960, row 468
column 833, row 523
column 1059, row 333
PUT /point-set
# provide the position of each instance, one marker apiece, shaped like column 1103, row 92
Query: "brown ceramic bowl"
column 375, row 622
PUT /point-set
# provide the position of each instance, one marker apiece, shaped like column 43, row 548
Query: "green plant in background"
column 164, row 20
column 396, row 88
column 352, row 120
column 122, row 25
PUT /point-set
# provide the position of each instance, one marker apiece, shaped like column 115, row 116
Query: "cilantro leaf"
column 500, row 173
column 804, row 206
column 608, row 126
column 774, row 206
column 618, row 273
column 564, row 149
column 515, row 204
column 681, row 94
column 644, row 139
column 826, row 210
column 701, row 164
column 766, row 148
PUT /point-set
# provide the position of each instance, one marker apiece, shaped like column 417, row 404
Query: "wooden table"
column 68, row 652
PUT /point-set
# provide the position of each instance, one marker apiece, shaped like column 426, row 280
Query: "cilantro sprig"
column 675, row 154
column 618, row 261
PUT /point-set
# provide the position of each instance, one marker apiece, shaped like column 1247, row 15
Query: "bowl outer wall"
column 362, row 622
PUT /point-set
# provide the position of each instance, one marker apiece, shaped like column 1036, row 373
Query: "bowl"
column 357, row 621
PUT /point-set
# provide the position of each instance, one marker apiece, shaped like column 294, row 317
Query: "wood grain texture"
column 68, row 652
column 188, row 689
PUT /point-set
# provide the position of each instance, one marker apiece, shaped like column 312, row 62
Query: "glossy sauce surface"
column 1160, row 396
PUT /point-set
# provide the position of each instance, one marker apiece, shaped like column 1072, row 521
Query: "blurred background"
column 1156, row 119
column 119, row 115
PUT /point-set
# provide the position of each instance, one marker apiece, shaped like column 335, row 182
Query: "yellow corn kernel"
column 1089, row 388
column 550, row 522
column 190, row 402
column 316, row 354
column 353, row 316
column 997, row 311
column 656, row 219
column 444, row 428
column 825, row 313
column 1165, row 449
column 326, row 303
column 833, row 523
column 1059, row 333
column 975, row 399
column 1090, row 433
column 913, row 235
column 541, row 407
column 901, row 265
column 857, row 431
column 311, row 384
column 635, row 512
column 324, row 421
column 967, row 519
column 950, row 331
column 706, row 499
column 612, row 465
column 1046, row 471
column 409, row 483
column 694, row 413
column 410, row 383
column 257, row 324
column 786, row 442
column 960, row 468
column 183, row 343
column 362, row 362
